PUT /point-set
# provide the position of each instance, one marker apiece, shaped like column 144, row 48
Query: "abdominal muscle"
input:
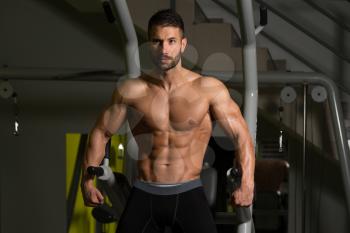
column 163, row 171
column 169, row 155
column 172, row 164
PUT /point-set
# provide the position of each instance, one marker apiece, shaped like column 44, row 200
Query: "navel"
column 192, row 122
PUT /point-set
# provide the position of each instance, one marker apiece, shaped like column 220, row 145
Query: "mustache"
column 165, row 57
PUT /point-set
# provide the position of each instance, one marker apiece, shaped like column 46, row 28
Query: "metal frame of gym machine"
column 250, row 74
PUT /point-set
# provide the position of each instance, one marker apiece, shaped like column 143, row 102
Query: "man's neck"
column 170, row 79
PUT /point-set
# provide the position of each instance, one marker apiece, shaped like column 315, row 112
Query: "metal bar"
column 291, row 52
column 59, row 74
column 328, row 14
column 74, row 187
column 305, row 31
column 274, row 40
column 283, row 46
column 249, row 64
column 250, row 73
column 131, row 47
column 335, row 107
column 303, row 186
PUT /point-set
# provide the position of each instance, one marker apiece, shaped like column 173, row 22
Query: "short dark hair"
column 166, row 17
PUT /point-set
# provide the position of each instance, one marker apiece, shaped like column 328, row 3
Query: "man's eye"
column 172, row 41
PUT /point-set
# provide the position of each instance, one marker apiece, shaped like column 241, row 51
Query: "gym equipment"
column 103, row 172
column 74, row 186
column 263, row 19
column 115, row 185
column 319, row 94
column 288, row 94
column 234, row 176
column 104, row 214
column 209, row 178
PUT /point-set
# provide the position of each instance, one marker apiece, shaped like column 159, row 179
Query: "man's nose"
column 164, row 48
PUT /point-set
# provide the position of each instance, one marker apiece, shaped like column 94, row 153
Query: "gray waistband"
column 165, row 189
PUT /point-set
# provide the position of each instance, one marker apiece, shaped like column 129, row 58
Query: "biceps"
column 229, row 117
column 112, row 118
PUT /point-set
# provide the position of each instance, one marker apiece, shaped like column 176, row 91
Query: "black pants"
column 184, row 212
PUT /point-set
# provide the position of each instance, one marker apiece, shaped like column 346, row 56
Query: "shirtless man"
column 170, row 112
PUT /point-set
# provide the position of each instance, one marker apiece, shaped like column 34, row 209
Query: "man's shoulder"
column 209, row 83
column 211, row 88
column 131, row 83
column 131, row 88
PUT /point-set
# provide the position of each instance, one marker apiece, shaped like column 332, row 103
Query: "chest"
column 183, row 109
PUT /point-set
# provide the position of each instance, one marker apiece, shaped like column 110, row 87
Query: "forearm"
column 245, row 159
column 94, row 152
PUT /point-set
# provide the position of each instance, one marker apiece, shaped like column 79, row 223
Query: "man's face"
column 167, row 45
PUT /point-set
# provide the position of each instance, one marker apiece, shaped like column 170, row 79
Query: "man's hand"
column 92, row 196
column 243, row 196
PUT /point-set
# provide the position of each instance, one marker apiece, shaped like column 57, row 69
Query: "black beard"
column 172, row 64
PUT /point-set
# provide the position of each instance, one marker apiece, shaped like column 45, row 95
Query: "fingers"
column 93, row 197
column 242, row 198
column 99, row 196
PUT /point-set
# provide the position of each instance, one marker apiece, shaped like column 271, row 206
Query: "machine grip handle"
column 234, row 176
column 95, row 171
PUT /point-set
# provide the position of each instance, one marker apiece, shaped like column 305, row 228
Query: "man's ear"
column 183, row 44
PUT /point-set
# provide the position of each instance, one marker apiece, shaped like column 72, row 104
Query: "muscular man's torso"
column 172, row 128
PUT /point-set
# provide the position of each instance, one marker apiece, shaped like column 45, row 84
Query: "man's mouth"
column 165, row 58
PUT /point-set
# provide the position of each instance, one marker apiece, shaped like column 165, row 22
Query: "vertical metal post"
column 74, row 187
column 131, row 47
column 303, row 182
column 250, row 73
